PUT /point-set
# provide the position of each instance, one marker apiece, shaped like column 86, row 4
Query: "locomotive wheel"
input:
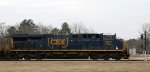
column 106, row 59
column 38, row 59
column 28, row 59
column 95, row 59
column 117, row 59
column 15, row 58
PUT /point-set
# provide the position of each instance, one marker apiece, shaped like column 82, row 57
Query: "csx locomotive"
column 47, row 46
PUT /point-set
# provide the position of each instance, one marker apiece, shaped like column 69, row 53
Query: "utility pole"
column 145, row 45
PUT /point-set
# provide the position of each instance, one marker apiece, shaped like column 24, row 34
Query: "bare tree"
column 146, row 27
column 45, row 29
column 89, row 30
column 2, row 29
column 78, row 28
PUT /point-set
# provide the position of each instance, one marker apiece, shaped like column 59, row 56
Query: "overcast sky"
column 123, row 17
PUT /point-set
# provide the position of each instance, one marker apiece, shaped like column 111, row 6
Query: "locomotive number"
column 56, row 41
column 108, row 43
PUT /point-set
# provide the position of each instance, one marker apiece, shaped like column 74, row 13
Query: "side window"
column 107, row 37
column 97, row 36
column 89, row 36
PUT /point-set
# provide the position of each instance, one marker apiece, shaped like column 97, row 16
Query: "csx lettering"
column 57, row 41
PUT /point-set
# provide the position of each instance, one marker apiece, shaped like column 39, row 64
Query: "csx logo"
column 56, row 41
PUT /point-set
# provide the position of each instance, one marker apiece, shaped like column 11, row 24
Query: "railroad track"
column 100, row 60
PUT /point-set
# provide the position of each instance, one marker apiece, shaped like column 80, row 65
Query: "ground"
column 75, row 66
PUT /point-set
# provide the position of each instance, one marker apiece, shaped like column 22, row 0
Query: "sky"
column 123, row 17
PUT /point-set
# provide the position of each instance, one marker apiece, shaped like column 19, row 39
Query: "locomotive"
column 48, row 46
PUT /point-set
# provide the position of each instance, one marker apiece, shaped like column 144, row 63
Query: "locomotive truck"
column 48, row 46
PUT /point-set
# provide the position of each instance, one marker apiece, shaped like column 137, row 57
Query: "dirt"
column 74, row 66
column 78, row 65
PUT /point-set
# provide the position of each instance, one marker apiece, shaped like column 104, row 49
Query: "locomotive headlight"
column 116, row 47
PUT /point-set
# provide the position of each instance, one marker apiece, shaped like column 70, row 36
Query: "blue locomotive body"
column 66, row 42
column 43, row 46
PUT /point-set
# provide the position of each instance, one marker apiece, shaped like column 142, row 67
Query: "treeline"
column 28, row 26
